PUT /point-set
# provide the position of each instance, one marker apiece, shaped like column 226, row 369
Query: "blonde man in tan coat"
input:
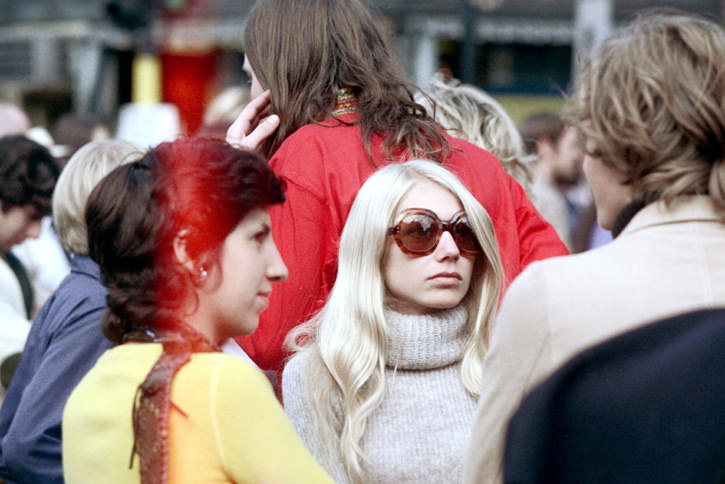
column 651, row 107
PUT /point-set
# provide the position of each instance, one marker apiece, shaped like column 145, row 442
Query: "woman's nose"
column 447, row 246
column 276, row 270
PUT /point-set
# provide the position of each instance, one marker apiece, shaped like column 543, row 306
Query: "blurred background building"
column 94, row 56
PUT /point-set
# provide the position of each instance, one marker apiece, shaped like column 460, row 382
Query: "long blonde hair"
column 348, row 338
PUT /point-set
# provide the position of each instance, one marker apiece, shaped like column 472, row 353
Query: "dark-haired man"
column 28, row 173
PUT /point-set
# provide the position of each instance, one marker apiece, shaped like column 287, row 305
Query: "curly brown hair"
column 28, row 173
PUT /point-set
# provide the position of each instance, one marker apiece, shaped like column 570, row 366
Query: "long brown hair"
column 303, row 51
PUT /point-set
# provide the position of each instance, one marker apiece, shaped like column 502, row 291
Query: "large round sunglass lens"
column 418, row 232
column 464, row 236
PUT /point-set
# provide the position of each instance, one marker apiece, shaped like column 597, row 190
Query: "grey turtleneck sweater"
column 420, row 431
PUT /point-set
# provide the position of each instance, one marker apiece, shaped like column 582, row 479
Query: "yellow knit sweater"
column 234, row 429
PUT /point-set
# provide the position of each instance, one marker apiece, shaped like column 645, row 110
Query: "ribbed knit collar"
column 420, row 342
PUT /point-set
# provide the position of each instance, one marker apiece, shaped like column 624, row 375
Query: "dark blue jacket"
column 64, row 343
column 647, row 406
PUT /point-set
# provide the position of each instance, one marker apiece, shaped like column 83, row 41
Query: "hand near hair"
column 253, row 125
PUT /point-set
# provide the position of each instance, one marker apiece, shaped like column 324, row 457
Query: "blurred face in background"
column 568, row 158
column 17, row 224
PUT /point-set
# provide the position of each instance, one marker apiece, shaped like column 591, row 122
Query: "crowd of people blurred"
column 342, row 277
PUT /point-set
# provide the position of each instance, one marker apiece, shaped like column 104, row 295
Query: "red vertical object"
column 186, row 80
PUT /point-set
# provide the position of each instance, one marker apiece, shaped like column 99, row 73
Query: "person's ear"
column 181, row 251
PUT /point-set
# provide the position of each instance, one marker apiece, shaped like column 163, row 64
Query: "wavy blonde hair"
column 652, row 102
column 348, row 338
column 472, row 114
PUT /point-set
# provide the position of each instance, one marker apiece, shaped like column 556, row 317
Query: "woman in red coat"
column 344, row 108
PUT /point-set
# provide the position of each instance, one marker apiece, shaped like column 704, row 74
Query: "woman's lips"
column 446, row 278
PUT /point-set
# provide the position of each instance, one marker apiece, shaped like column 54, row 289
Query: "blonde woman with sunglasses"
column 385, row 379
